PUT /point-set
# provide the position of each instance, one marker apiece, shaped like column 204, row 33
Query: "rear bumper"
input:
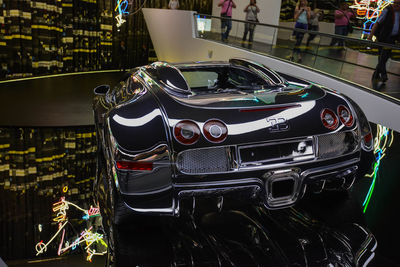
column 274, row 189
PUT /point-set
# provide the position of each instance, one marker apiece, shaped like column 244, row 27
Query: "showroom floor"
column 243, row 235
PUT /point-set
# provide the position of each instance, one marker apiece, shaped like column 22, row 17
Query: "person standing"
column 315, row 17
column 251, row 11
column 342, row 21
column 387, row 30
column 173, row 4
column 301, row 16
column 226, row 15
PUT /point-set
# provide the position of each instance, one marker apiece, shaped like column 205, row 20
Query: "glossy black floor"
column 239, row 235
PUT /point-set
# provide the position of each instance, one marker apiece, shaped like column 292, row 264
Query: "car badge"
column 277, row 125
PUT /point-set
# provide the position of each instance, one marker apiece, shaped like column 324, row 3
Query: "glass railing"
column 350, row 58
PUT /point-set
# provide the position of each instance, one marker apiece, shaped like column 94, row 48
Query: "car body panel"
column 275, row 147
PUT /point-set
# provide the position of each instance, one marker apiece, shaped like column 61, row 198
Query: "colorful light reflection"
column 121, row 8
column 87, row 237
column 369, row 10
column 383, row 139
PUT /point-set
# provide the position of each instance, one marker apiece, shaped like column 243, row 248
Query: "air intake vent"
column 337, row 144
column 206, row 160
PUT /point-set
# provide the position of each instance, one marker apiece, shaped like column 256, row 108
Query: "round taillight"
column 345, row 116
column 329, row 119
column 368, row 141
column 186, row 132
column 215, row 131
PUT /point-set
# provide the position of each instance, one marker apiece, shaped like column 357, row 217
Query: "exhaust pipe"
column 282, row 188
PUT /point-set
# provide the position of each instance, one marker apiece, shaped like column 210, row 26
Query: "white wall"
column 269, row 14
column 173, row 37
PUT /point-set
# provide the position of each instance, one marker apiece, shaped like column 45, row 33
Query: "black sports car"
column 171, row 132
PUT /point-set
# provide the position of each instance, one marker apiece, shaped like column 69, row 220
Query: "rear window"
column 196, row 79
column 205, row 79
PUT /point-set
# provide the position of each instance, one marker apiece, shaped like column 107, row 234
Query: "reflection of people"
column 173, row 4
column 226, row 15
column 387, row 30
column 251, row 15
column 301, row 16
column 122, row 55
column 315, row 17
column 342, row 20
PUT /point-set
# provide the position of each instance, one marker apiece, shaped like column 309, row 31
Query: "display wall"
column 35, row 165
column 52, row 36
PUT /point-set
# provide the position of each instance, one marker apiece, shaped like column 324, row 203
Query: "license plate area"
column 277, row 152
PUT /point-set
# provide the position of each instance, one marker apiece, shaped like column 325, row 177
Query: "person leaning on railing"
column 313, row 24
column 226, row 15
column 387, row 30
column 302, row 14
column 342, row 22
column 251, row 11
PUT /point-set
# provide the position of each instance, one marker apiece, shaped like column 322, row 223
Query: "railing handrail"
column 336, row 36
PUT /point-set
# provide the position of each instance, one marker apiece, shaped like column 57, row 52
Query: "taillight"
column 186, row 132
column 345, row 116
column 329, row 119
column 368, row 141
column 135, row 165
column 215, row 131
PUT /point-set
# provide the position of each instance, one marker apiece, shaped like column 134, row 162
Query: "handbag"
column 255, row 15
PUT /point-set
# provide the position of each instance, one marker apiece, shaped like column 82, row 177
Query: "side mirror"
column 101, row 90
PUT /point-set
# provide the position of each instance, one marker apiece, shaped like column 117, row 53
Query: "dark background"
column 50, row 36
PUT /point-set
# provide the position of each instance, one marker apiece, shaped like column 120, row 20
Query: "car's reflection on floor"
column 246, row 236
column 322, row 230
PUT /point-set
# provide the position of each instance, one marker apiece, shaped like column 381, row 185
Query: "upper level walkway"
column 355, row 61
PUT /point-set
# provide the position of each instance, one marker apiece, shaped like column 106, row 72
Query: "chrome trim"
column 220, row 183
column 351, row 184
column 270, row 71
column 173, row 210
column 322, row 187
column 147, row 193
column 193, row 205
column 158, row 152
column 329, row 167
column 220, row 203
column 352, row 170
column 208, row 191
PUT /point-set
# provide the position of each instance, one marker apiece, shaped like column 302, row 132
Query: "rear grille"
column 205, row 160
column 337, row 144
